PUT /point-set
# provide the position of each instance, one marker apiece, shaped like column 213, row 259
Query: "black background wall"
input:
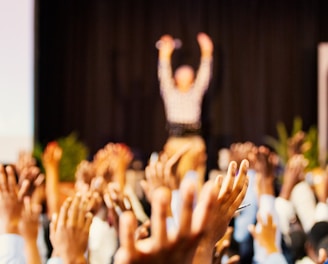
column 97, row 67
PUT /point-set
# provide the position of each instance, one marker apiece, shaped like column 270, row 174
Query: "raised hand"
column 166, row 47
column 206, row 44
column 163, row 172
column 244, row 150
column 265, row 234
column 69, row 231
column 320, row 184
column 52, row 155
column 112, row 161
column 294, row 173
column 50, row 160
column 84, row 175
column 28, row 228
column 11, row 200
column 217, row 205
column 25, row 160
column 161, row 246
column 117, row 203
column 198, row 230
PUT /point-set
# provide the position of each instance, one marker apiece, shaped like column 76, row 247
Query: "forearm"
column 285, row 192
column 9, row 227
column 203, row 254
column 32, row 252
column 204, row 73
column 164, row 56
column 206, row 54
column 120, row 177
column 52, row 189
column 165, row 74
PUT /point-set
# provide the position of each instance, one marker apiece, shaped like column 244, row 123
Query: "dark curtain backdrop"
column 97, row 68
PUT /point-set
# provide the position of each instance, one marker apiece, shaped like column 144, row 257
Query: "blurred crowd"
column 252, row 209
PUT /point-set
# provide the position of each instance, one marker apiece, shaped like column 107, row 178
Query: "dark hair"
column 297, row 249
column 318, row 232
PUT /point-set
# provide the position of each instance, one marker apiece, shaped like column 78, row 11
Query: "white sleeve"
column 321, row 212
column 285, row 212
column 275, row 258
column 204, row 74
column 12, row 249
column 55, row 260
column 303, row 200
column 165, row 76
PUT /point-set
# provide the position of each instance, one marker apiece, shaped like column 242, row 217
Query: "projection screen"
column 16, row 78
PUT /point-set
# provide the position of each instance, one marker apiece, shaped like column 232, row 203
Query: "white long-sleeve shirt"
column 183, row 107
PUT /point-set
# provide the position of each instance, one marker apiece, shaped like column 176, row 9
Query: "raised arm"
column 205, row 68
column 165, row 50
column 206, row 45
column 50, row 159
column 165, row 47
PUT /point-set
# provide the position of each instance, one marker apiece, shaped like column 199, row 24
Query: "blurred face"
column 184, row 77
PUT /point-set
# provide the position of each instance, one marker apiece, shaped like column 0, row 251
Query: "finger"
column 242, row 173
column 204, row 207
column 73, row 211
column 27, row 205
column 23, row 189
column 108, row 201
column 148, row 171
column 240, row 185
column 39, row 180
column 94, row 201
column 218, row 183
column 63, row 213
column 188, row 190
column 11, row 180
column 33, row 173
column 127, row 203
column 240, row 195
column 142, row 233
column 81, row 213
column 160, row 173
column 234, row 259
column 128, row 225
column 228, row 181
column 53, row 223
column 222, row 248
column 177, row 155
column 3, row 179
column 160, row 203
column 174, row 159
column 88, row 221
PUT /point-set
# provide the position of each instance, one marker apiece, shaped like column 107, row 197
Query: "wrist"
column 272, row 249
column 285, row 193
column 9, row 228
column 203, row 254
